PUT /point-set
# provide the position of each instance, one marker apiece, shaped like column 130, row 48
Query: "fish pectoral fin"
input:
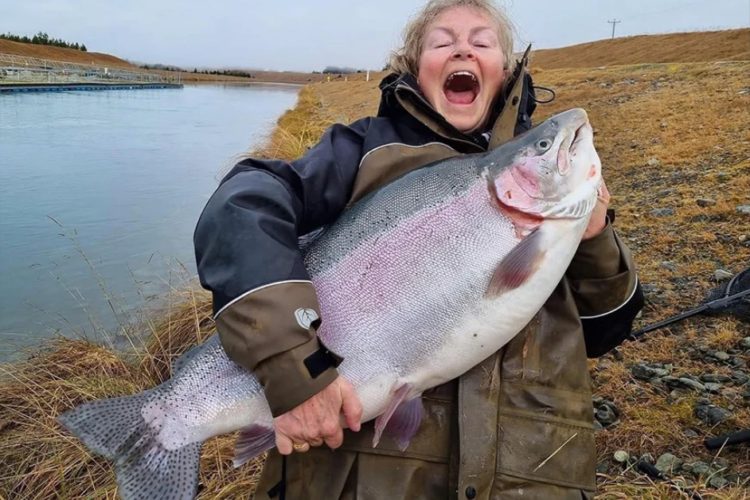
column 251, row 442
column 518, row 265
column 401, row 419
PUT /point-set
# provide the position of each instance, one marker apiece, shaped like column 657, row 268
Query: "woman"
column 520, row 424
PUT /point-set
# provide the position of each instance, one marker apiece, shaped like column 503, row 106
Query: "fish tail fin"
column 115, row 429
column 156, row 472
column 108, row 427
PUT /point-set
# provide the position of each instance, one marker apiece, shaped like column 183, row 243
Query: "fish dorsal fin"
column 183, row 359
column 518, row 265
column 186, row 357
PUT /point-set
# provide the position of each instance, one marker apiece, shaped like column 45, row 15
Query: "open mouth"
column 580, row 134
column 461, row 87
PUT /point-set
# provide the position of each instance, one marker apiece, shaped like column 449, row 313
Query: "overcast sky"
column 309, row 35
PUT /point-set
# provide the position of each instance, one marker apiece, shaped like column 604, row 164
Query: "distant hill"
column 727, row 45
column 61, row 54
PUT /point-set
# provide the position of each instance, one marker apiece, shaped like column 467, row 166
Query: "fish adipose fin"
column 518, row 265
column 251, row 442
column 401, row 419
column 115, row 429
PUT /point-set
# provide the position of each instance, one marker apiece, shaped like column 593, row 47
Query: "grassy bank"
column 669, row 135
column 726, row 45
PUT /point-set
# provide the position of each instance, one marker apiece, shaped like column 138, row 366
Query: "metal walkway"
column 66, row 87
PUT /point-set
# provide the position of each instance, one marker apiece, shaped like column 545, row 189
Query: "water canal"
column 99, row 195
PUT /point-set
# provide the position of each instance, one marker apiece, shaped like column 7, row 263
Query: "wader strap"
column 505, row 125
column 478, row 397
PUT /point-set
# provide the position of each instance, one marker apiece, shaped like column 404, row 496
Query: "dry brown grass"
column 669, row 134
column 297, row 130
column 693, row 119
column 40, row 460
column 62, row 54
column 704, row 46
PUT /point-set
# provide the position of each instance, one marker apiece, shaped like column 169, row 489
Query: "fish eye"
column 543, row 144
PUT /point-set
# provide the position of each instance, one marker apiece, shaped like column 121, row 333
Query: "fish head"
column 550, row 172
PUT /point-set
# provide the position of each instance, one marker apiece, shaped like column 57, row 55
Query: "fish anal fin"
column 518, row 265
column 405, row 422
column 404, row 418
column 251, row 442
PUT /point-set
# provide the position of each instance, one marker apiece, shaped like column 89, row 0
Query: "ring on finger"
column 301, row 447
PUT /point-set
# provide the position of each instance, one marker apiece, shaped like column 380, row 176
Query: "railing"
column 21, row 69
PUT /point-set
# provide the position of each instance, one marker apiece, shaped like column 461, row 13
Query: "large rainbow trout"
column 417, row 282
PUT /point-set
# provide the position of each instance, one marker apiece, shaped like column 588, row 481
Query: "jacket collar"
column 400, row 93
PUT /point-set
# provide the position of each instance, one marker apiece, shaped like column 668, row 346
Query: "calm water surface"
column 99, row 196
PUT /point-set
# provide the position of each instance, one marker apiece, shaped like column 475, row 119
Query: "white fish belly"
column 496, row 320
column 391, row 305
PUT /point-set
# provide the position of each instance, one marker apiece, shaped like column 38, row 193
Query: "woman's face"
column 461, row 66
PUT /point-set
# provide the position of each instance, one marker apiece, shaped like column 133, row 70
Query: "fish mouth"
column 461, row 87
column 578, row 133
column 583, row 132
column 570, row 146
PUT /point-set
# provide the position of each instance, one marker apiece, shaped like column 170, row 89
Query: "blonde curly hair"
column 406, row 58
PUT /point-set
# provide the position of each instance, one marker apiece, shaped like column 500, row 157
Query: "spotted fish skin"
column 417, row 283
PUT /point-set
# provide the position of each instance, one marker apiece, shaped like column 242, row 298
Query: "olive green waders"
column 519, row 425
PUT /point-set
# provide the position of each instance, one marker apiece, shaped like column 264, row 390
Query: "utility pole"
column 613, row 22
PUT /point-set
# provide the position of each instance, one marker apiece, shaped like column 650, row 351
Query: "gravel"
column 668, row 463
column 711, row 414
column 662, row 212
column 621, row 456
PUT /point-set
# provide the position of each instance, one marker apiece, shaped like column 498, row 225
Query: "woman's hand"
column 599, row 215
column 316, row 421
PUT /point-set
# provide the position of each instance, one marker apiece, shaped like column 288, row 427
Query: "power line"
column 613, row 22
